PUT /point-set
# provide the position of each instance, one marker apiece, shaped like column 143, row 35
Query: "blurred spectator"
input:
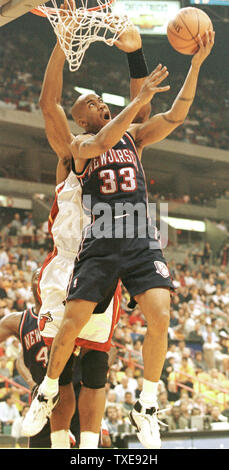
column 27, row 234
column 195, row 335
column 3, row 293
column 225, row 411
column 5, row 370
column 216, row 416
column 8, row 410
column 122, row 388
column 112, row 419
column 138, row 390
column 175, row 420
column 15, row 229
column 128, row 403
column 199, row 362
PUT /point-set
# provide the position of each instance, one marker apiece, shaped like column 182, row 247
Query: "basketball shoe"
column 146, row 422
column 39, row 412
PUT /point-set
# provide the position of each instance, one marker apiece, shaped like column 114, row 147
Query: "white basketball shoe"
column 38, row 414
column 146, row 422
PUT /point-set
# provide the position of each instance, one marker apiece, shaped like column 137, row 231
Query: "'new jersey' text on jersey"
column 115, row 177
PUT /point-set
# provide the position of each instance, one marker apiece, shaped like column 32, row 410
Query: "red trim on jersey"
column 21, row 325
column 52, row 216
column 32, row 313
column 84, row 343
column 130, row 138
column 54, row 210
column 47, row 260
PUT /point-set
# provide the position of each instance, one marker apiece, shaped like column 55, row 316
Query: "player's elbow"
column 93, row 148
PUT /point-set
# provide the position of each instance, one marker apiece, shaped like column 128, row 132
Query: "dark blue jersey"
column 115, row 177
column 35, row 352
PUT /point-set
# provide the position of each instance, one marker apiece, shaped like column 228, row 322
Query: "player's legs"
column 155, row 305
column 77, row 314
column 92, row 397
column 60, row 419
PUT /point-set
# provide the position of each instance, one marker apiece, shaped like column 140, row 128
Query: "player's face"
column 94, row 113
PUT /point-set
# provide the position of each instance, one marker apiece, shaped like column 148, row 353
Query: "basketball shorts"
column 52, row 288
column 100, row 262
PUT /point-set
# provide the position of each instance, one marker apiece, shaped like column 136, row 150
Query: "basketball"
column 183, row 29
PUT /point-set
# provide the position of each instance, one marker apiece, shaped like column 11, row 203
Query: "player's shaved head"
column 90, row 112
column 79, row 107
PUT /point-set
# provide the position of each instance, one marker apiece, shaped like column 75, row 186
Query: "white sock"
column 148, row 396
column 60, row 439
column 89, row 440
column 49, row 386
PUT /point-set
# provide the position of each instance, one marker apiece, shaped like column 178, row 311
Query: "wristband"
column 137, row 64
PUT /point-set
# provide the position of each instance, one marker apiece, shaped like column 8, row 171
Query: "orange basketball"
column 183, row 29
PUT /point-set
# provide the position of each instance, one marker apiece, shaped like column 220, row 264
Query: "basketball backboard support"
column 12, row 9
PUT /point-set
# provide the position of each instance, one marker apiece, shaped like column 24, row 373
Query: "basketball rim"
column 85, row 5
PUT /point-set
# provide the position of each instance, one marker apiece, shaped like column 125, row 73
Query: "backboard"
column 12, row 9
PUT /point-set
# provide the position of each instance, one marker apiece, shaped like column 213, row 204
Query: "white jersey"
column 66, row 222
column 66, row 219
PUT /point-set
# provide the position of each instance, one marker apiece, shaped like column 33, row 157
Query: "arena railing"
column 198, row 381
column 11, row 382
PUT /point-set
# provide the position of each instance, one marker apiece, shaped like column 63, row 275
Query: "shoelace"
column 162, row 411
column 149, row 418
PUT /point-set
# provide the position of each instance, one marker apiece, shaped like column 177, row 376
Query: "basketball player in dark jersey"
column 107, row 161
column 92, row 399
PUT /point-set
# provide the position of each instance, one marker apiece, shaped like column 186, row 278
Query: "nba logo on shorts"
column 161, row 268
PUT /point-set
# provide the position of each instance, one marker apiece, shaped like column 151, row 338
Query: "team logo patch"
column 44, row 318
column 161, row 268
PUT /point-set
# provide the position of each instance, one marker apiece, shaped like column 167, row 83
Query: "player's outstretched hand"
column 205, row 46
column 130, row 40
column 151, row 84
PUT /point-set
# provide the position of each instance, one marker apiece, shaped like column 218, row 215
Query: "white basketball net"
column 77, row 28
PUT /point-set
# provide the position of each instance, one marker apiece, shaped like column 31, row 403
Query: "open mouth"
column 106, row 116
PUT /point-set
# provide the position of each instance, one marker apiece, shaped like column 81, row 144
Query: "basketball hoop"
column 77, row 27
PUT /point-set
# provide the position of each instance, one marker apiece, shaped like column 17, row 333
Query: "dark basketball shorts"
column 101, row 262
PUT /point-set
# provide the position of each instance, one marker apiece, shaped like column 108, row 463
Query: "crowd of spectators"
column 21, row 75
column 195, row 377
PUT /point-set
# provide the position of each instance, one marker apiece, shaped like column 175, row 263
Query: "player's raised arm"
column 130, row 42
column 56, row 124
column 161, row 125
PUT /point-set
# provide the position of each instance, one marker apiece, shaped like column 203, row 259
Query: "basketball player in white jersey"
column 65, row 225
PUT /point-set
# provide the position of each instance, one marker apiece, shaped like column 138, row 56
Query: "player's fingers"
column 156, row 70
column 163, row 88
column 160, row 77
column 200, row 41
column 159, row 66
column 211, row 36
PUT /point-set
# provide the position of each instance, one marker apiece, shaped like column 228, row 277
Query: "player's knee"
column 94, row 366
column 159, row 322
column 77, row 314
